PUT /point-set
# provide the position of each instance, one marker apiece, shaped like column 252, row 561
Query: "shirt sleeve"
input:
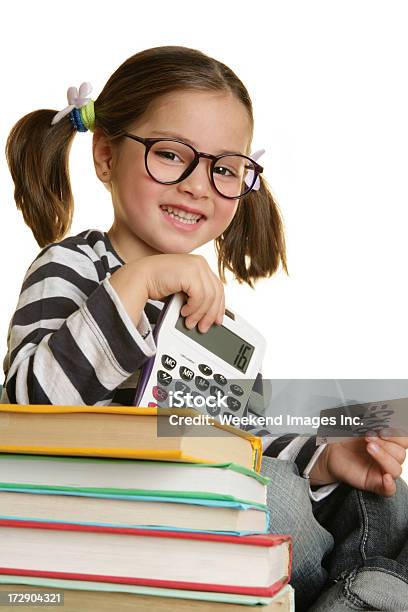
column 71, row 341
column 299, row 449
column 304, row 453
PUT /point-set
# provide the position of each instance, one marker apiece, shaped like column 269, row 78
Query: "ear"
column 102, row 154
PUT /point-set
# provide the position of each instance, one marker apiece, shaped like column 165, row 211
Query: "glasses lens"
column 167, row 160
column 233, row 175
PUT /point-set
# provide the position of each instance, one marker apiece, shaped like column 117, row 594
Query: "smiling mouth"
column 182, row 215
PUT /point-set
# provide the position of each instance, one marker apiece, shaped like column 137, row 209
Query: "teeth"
column 181, row 215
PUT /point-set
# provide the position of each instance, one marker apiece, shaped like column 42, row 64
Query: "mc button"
column 168, row 362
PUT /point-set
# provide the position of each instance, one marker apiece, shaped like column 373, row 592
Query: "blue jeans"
column 350, row 550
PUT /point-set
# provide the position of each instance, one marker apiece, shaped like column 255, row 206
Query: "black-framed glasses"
column 170, row 161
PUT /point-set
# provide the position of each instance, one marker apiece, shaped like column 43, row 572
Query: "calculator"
column 212, row 372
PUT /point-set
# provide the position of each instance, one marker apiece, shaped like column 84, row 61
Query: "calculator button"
column 186, row 373
column 164, row 378
column 180, row 386
column 168, row 362
column 205, row 369
column 237, row 390
column 233, row 403
column 220, row 379
column 213, row 410
column 159, row 394
column 216, row 391
column 201, row 383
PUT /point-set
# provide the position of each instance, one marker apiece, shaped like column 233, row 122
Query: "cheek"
column 226, row 211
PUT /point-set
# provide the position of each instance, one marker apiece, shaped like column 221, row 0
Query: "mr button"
column 186, row 373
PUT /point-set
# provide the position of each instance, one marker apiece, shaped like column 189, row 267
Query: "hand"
column 159, row 276
column 371, row 464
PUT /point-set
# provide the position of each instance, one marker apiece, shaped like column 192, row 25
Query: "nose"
column 198, row 182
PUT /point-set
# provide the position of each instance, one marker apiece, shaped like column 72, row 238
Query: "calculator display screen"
column 222, row 342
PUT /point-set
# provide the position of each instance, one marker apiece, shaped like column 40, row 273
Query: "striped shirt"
column 71, row 341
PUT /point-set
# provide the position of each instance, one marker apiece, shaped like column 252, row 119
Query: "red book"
column 251, row 565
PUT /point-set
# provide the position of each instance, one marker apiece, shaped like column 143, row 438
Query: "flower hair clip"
column 80, row 108
column 250, row 174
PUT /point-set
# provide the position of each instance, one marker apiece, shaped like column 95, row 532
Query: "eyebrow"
column 168, row 134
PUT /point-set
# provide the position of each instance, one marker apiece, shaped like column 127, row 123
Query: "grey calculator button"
column 213, row 410
column 168, row 362
column 205, row 369
column 216, row 391
column 180, row 386
column 237, row 390
column 186, row 373
column 220, row 379
column 164, row 378
column 201, row 383
column 233, row 403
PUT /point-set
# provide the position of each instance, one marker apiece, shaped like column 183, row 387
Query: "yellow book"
column 113, row 431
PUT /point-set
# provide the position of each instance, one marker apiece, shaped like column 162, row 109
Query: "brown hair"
column 37, row 153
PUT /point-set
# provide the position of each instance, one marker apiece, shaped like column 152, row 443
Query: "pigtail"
column 253, row 245
column 37, row 155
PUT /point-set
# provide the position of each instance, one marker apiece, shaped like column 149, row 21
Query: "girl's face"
column 211, row 122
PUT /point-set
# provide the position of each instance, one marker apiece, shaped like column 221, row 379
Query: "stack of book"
column 94, row 503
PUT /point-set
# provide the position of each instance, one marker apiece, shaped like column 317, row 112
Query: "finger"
column 202, row 306
column 212, row 313
column 388, row 464
column 194, row 309
column 394, row 449
column 221, row 312
column 399, row 436
column 206, row 311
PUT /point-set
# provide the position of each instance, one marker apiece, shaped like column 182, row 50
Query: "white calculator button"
column 205, row 369
column 168, row 362
column 220, row 379
column 186, row 373
column 164, row 378
column 237, row 390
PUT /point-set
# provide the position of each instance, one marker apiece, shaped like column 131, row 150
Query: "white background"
column 329, row 85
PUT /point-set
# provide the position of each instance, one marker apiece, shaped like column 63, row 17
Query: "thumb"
column 387, row 487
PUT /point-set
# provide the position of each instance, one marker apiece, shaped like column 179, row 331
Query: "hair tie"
column 80, row 108
column 250, row 174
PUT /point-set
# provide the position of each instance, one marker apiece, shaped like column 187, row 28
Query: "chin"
column 178, row 248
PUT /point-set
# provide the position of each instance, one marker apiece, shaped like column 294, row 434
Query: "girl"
column 172, row 136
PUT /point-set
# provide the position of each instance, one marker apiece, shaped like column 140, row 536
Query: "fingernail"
column 372, row 447
column 371, row 434
column 386, row 432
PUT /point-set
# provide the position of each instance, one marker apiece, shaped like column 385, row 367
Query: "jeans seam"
column 352, row 597
column 365, row 527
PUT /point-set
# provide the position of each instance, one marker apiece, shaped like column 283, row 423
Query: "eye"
column 223, row 171
column 168, row 155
